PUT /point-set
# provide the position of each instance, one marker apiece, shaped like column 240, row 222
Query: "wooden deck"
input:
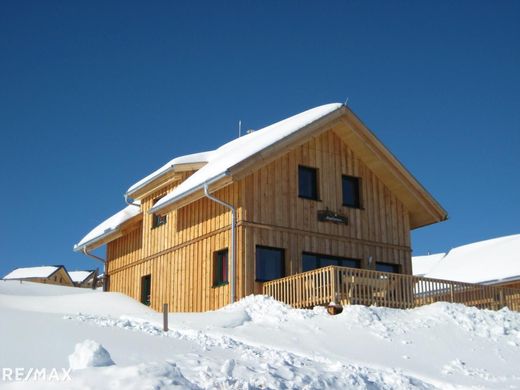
column 365, row 287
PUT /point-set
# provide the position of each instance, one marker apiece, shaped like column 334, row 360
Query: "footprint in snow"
column 228, row 367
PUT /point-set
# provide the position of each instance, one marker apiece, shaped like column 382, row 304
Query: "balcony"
column 352, row 286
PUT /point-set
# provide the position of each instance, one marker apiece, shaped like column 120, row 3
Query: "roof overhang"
column 196, row 193
column 109, row 235
column 168, row 176
column 421, row 205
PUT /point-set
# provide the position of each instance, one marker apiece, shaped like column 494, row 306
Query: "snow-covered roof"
column 489, row 261
column 108, row 226
column 421, row 265
column 239, row 149
column 194, row 158
column 32, row 272
column 80, row 276
column 221, row 165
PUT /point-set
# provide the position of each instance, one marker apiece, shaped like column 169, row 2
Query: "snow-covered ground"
column 255, row 343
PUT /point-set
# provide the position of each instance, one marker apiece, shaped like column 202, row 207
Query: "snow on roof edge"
column 108, row 226
column 74, row 274
column 187, row 192
column 43, row 271
column 200, row 157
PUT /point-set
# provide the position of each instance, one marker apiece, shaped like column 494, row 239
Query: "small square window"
column 351, row 196
column 158, row 219
column 220, row 268
column 307, row 182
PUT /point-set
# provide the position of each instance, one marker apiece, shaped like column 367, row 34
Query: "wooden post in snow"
column 165, row 317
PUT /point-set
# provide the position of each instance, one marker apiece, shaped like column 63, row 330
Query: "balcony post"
column 333, row 293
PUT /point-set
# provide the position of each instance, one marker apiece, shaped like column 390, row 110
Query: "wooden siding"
column 179, row 254
column 271, row 195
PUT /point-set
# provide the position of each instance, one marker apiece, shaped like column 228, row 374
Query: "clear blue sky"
column 96, row 95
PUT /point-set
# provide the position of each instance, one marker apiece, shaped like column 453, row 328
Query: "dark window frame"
column 316, row 191
column 146, row 299
column 395, row 266
column 220, row 268
column 158, row 219
column 320, row 256
column 282, row 274
column 357, row 204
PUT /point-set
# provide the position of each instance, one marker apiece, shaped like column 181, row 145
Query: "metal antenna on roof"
column 239, row 128
column 346, row 102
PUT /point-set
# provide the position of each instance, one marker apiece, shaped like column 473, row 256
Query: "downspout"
column 85, row 252
column 233, row 223
column 130, row 203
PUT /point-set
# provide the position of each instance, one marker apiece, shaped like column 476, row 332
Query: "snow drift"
column 259, row 343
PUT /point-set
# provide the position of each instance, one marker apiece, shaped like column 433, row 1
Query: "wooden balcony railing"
column 366, row 287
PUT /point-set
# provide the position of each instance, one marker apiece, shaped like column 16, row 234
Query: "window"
column 220, row 268
column 157, row 219
column 307, row 182
column 387, row 267
column 270, row 263
column 312, row 261
column 146, row 288
column 351, row 196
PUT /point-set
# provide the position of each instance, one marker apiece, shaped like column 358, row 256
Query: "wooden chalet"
column 49, row 274
column 315, row 190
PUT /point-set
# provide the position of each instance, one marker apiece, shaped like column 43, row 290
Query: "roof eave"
column 171, row 202
column 434, row 212
column 159, row 180
column 90, row 243
column 263, row 156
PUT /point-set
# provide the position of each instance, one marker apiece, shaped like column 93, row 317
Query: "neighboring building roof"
column 421, row 265
column 32, row 272
column 489, row 262
column 108, row 226
column 80, row 276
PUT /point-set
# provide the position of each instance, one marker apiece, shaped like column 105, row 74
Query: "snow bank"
column 89, row 353
column 261, row 343
column 262, row 308
column 43, row 298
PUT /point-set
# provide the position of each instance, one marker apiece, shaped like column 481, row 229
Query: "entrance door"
column 146, row 288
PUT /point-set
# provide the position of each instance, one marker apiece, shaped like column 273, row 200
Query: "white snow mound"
column 89, row 353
